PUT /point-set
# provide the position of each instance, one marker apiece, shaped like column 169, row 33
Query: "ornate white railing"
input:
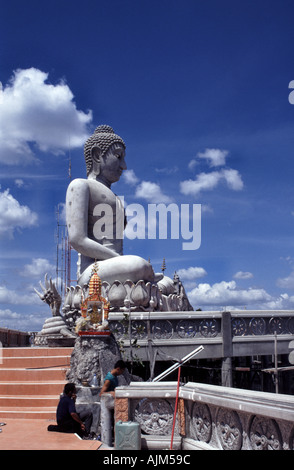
column 223, row 334
column 209, row 417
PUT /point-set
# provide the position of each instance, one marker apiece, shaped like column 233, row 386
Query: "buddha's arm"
column 77, row 203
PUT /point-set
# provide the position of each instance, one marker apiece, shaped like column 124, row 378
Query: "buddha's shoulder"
column 87, row 185
column 78, row 183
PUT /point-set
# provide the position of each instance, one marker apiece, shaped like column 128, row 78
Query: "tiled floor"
column 30, row 434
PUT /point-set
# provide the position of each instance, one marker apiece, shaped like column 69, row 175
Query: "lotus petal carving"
column 117, row 294
column 128, row 285
column 140, row 295
column 105, row 286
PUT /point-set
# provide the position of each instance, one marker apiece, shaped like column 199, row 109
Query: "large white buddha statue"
column 95, row 215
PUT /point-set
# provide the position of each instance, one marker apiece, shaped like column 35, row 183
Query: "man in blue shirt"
column 68, row 420
column 111, row 381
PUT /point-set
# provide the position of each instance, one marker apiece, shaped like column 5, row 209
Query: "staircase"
column 31, row 380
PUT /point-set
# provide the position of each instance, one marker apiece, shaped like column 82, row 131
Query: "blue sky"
column 199, row 91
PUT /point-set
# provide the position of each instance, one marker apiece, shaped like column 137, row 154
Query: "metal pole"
column 178, row 364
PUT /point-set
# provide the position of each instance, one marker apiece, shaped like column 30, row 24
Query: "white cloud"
column 7, row 314
column 286, row 282
column 243, row 275
column 192, row 163
column 209, row 181
column 167, row 170
column 233, row 179
column 13, row 297
column 203, row 182
column 19, row 321
column 215, row 157
column 38, row 268
column 224, row 293
column 13, row 215
column 130, row 177
column 35, row 112
column 193, row 272
column 19, row 182
column 151, row 192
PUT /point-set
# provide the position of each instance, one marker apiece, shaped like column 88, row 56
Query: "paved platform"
column 32, row 434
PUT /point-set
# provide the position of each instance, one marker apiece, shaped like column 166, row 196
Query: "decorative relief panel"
column 182, row 417
column 201, row 422
column 239, row 327
column 121, row 409
column 258, row 326
column 229, row 429
column 139, row 329
column 208, row 328
column 186, row 328
column 203, row 327
column 265, row 434
column 162, row 329
column 117, row 328
column 154, row 416
column 276, row 325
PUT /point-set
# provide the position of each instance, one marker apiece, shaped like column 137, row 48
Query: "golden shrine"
column 94, row 310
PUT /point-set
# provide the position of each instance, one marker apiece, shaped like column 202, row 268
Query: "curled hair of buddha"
column 103, row 137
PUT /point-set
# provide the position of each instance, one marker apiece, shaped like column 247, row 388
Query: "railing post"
column 227, row 376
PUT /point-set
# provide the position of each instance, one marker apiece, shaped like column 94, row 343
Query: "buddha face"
column 112, row 164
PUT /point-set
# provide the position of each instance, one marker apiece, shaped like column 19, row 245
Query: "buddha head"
column 104, row 154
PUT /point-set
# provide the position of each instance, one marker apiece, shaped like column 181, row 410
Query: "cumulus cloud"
column 130, row 177
column 151, row 192
column 192, row 272
column 19, row 321
column 38, row 268
column 224, row 293
column 13, row 215
column 243, row 275
column 233, row 179
column 209, row 181
column 215, row 157
column 286, row 282
column 35, row 113
column 13, row 297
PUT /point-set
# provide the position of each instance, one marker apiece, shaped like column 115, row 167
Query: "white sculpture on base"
column 95, row 215
column 95, row 221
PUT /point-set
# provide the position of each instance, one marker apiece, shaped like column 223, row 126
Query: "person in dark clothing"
column 68, row 420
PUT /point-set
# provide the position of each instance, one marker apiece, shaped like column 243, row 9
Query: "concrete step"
column 22, row 352
column 31, row 381
column 26, row 413
column 37, row 362
column 33, row 375
column 32, row 388
column 29, row 401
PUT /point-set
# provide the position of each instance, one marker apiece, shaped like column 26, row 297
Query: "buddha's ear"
column 96, row 159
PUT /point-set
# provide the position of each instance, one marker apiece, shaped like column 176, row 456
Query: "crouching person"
column 68, row 420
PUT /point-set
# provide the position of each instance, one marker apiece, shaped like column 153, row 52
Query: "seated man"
column 111, row 381
column 95, row 215
column 68, row 420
